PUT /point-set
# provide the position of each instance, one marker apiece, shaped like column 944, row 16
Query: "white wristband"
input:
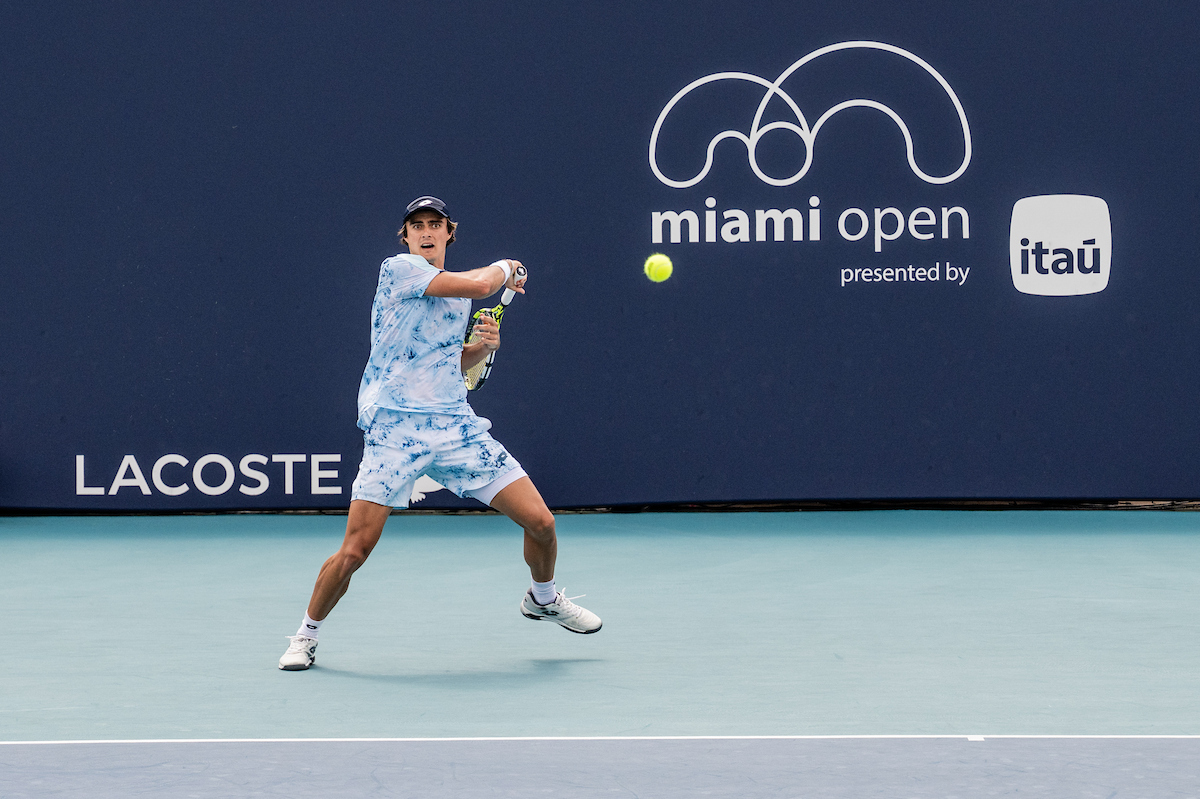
column 507, row 269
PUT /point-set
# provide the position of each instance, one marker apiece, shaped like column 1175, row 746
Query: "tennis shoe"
column 301, row 654
column 561, row 611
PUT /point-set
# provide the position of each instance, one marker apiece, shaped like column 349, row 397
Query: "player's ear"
column 400, row 233
column 453, row 228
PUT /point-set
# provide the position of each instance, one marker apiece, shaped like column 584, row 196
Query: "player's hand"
column 487, row 332
column 517, row 282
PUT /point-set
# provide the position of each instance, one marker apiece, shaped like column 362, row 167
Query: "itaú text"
column 212, row 474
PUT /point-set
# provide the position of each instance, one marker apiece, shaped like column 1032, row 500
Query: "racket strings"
column 474, row 376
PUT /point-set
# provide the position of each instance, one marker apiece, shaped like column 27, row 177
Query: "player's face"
column 427, row 234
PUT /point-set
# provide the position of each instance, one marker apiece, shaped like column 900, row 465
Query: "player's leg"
column 364, row 526
column 467, row 454
column 521, row 502
column 393, row 458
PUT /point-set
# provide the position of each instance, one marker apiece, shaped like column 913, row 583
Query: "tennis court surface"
column 751, row 654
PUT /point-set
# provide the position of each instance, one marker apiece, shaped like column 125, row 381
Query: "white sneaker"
column 562, row 611
column 300, row 655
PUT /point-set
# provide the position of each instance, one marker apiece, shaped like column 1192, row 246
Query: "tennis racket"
column 477, row 375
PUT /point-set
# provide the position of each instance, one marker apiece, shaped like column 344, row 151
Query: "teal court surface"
column 880, row 653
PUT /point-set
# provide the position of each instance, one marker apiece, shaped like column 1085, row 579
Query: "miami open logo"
column 797, row 121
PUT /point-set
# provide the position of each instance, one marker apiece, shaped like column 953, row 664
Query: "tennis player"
column 412, row 407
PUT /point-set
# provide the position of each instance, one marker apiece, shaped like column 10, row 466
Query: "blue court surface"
column 743, row 654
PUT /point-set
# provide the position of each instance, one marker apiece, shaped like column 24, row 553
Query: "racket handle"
column 508, row 294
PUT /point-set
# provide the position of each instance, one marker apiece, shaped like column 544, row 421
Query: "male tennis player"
column 412, row 407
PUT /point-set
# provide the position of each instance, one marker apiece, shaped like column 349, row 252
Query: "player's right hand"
column 517, row 282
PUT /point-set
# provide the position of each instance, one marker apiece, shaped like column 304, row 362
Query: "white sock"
column 543, row 593
column 310, row 628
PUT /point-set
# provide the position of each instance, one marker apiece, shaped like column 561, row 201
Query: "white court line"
column 599, row 738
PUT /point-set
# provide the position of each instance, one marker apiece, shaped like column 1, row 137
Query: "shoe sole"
column 298, row 667
column 565, row 627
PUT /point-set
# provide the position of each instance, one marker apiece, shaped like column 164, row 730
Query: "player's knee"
column 360, row 540
column 542, row 527
column 352, row 557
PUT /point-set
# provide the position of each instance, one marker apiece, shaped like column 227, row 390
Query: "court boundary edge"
column 566, row 738
column 739, row 506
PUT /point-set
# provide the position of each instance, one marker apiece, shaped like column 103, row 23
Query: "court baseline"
column 664, row 767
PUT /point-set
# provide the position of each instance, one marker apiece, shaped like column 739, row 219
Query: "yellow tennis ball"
column 658, row 267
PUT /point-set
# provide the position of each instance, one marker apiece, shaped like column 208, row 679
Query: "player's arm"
column 475, row 284
column 489, row 341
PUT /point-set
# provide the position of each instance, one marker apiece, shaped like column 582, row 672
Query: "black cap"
column 426, row 203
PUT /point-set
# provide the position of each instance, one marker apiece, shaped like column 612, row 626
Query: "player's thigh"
column 521, row 502
column 364, row 526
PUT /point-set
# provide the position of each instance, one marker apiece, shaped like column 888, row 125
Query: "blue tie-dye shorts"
column 455, row 450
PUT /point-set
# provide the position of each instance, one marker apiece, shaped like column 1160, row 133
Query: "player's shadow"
column 533, row 669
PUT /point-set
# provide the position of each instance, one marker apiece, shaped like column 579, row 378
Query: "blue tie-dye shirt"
column 416, row 344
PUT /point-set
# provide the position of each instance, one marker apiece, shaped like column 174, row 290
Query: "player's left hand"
column 488, row 332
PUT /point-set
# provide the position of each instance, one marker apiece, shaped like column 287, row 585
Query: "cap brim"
column 415, row 211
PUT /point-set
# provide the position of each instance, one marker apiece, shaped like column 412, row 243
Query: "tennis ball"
column 658, row 267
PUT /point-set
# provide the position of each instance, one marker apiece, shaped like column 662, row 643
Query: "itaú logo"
column 1060, row 245
column 797, row 122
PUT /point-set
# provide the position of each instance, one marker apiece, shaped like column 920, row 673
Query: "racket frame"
column 497, row 313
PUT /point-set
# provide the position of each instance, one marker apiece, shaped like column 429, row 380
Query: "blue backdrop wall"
column 980, row 281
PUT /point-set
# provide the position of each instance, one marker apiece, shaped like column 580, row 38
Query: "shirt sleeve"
column 402, row 278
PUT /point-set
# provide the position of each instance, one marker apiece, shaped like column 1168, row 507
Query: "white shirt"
column 416, row 344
